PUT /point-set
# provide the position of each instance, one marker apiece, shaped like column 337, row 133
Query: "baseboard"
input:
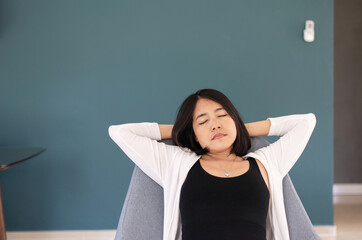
column 326, row 230
column 322, row 231
column 347, row 189
column 62, row 235
column 347, row 193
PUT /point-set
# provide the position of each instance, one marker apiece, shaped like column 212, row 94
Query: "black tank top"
column 219, row 208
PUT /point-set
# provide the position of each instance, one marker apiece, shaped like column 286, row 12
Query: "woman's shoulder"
column 178, row 148
column 183, row 154
column 259, row 159
column 186, row 151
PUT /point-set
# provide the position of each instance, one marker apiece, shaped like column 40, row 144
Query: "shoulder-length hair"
column 183, row 133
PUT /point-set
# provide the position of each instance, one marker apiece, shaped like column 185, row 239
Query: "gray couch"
column 142, row 212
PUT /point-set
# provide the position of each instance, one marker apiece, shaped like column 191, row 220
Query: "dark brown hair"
column 183, row 134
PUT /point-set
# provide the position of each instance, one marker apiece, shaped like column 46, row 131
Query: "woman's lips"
column 219, row 135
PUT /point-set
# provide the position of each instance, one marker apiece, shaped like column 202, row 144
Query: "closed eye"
column 219, row 116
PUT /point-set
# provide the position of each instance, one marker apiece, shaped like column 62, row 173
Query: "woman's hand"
column 260, row 128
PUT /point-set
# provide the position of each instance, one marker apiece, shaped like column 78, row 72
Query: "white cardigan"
column 168, row 165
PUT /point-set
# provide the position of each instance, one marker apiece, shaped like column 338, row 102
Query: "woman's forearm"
column 166, row 130
column 260, row 128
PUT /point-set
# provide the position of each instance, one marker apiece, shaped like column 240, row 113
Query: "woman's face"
column 209, row 119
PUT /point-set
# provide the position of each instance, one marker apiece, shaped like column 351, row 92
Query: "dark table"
column 9, row 157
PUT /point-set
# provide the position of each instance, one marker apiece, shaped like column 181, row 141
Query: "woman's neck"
column 223, row 156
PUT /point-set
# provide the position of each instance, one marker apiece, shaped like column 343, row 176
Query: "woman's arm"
column 139, row 142
column 260, row 128
column 166, row 130
column 294, row 130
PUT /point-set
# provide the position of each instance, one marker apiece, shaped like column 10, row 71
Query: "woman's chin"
column 219, row 149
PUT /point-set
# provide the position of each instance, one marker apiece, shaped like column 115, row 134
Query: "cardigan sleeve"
column 295, row 131
column 139, row 142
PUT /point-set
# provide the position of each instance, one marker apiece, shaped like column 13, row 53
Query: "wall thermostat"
column 309, row 31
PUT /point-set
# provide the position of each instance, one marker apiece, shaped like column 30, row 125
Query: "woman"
column 213, row 188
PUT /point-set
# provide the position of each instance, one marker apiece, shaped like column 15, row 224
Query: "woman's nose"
column 216, row 125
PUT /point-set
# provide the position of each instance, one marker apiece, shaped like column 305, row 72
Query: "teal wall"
column 70, row 69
